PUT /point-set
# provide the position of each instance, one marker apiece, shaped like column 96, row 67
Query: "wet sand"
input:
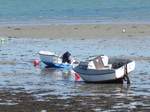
column 26, row 103
column 75, row 30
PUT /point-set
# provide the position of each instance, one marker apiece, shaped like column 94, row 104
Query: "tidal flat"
column 26, row 88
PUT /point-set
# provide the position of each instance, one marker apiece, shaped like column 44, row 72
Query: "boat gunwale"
column 50, row 55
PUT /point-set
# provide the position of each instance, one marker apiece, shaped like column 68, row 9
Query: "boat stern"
column 130, row 66
column 120, row 72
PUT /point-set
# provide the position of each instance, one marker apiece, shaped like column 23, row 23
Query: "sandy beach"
column 75, row 31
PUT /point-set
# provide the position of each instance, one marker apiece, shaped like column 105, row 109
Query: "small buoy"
column 36, row 62
column 123, row 30
column 77, row 77
column 43, row 110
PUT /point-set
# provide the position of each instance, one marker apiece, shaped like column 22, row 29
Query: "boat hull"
column 96, row 75
column 58, row 65
column 119, row 81
column 104, row 75
column 52, row 60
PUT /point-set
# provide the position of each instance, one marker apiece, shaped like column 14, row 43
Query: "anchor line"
column 126, row 78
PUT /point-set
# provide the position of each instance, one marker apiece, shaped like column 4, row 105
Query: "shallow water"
column 24, row 87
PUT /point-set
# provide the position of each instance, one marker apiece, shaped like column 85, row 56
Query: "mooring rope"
column 126, row 78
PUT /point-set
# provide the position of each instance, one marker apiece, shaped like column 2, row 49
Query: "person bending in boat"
column 66, row 57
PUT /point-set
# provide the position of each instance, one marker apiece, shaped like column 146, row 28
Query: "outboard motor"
column 66, row 57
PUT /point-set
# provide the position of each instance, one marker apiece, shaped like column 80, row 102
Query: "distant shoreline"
column 52, row 31
column 70, row 22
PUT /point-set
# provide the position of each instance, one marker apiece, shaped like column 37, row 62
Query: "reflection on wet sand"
column 58, row 74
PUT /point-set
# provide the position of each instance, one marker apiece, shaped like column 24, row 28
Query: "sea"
column 74, row 11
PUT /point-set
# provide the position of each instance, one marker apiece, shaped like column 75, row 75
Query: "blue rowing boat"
column 50, row 59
